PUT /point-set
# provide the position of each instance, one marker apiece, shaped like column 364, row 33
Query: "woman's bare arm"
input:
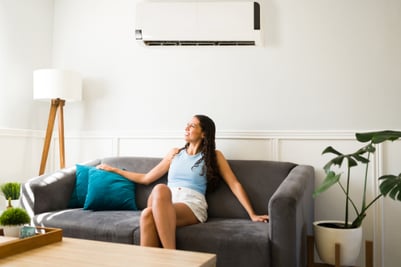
column 144, row 178
column 237, row 189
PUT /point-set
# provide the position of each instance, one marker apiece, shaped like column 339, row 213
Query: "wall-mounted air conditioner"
column 198, row 23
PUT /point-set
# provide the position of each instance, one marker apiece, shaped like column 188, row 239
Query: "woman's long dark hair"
column 208, row 150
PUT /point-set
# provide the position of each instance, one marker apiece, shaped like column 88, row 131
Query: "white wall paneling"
column 389, row 222
column 20, row 156
column 298, row 147
column 80, row 149
column 155, row 146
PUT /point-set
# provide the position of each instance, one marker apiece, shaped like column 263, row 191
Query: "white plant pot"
column 12, row 230
column 350, row 241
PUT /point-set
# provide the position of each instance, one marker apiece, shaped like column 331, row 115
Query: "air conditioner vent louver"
column 199, row 43
column 200, row 23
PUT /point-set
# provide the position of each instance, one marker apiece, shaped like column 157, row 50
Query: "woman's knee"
column 161, row 192
column 146, row 216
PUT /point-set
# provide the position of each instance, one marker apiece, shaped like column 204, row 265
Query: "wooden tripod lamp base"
column 58, row 86
column 56, row 106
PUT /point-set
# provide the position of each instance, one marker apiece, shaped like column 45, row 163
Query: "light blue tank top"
column 181, row 173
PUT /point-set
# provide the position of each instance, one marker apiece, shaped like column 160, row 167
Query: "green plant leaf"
column 336, row 161
column 11, row 190
column 378, row 137
column 369, row 148
column 391, row 186
column 330, row 149
column 331, row 179
column 14, row 216
column 351, row 162
column 361, row 159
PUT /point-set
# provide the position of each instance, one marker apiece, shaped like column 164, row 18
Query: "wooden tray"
column 44, row 237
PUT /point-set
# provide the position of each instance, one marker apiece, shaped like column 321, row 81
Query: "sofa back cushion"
column 260, row 180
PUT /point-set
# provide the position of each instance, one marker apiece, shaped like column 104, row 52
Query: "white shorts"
column 193, row 199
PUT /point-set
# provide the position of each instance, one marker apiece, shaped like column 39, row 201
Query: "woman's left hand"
column 260, row 218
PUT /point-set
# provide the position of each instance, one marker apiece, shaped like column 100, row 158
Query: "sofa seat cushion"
column 229, row 239
column 111, row 226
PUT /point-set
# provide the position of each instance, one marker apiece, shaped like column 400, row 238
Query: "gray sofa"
column 281, row 189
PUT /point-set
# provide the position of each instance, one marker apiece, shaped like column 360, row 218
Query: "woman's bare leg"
column 149, row 236
column 162, row 217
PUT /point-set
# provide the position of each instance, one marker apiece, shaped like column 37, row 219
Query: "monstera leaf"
column 390, row 184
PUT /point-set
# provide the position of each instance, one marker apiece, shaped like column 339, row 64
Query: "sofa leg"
column 311, row 250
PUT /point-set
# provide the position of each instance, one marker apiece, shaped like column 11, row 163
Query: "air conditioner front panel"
column 197, row 21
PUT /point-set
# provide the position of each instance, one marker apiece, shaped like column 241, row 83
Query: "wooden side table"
column 311, row 250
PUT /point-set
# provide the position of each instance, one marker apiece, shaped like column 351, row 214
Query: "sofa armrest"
column 291, row 213
column 49, row 192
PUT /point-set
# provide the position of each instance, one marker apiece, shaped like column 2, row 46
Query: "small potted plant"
column 327, row 233
column 11, row 192
column 12, row 220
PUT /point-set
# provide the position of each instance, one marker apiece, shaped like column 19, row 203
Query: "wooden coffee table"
column 81, row 252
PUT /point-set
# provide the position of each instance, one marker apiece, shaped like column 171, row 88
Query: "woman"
column 192, row 170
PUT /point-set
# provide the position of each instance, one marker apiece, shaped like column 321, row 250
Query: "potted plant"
column 12, row 220
column 11, row 192
column 390, row 185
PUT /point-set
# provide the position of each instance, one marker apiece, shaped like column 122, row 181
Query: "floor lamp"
column 58, row 86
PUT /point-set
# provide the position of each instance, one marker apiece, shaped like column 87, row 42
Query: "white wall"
column 325, row 64
column 322, row 62
column 26, row 28
column 327, row 69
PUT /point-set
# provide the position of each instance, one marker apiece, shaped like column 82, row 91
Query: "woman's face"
column 193, row 131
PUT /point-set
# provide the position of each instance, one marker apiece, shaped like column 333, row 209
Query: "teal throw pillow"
column 109, row 191
column 78, row 196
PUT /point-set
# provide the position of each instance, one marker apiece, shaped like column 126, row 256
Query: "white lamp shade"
column 55, row 83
